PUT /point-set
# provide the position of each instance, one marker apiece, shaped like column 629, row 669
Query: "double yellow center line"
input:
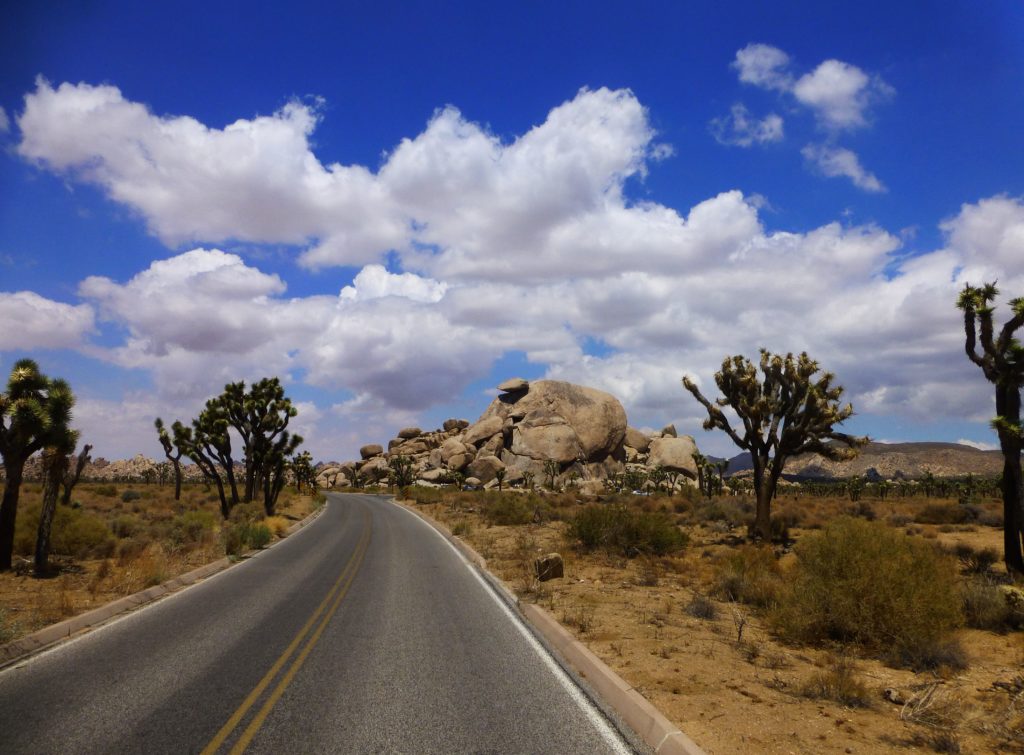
column 323, row 615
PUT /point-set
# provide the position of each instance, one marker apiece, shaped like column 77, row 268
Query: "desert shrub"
column 627, row 531
column 191, row 527
column 750, row 574
column 509, row 509
column 246, row 512
column 861, row 582
column 779, row 527
column 862, row 509
column 245, row 535
column 838, row 682
column 947, row 513
column 124, row 525
column 421, row 494
column 976, row 560
column 986, row 607
column 278, row 525
column 735, row 512
column 130, row 548
column 130, row 495
column 107, row 491
column 80, row 535
column 702, row 607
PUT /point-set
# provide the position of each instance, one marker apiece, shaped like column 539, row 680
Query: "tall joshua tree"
column 1002, row 362
column 35, row 413
column 785, row 411
column 173, row 454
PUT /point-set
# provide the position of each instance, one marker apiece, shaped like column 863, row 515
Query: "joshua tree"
column 551, row 470
column 785, row 411
column 71, row 476
column 401, row 470
column 260, row 417
column 499, row 475
column 700, row 461
column 56, row 472
column 173, row 454
column 302, row 470
column 35, row 413
column 1002, row 362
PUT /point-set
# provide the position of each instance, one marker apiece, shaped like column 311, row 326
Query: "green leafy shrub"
column 750, row 574
column 130, row 495
column 107, row 491
column 510, row 508
column 245, row 535
column 618, row 528
column 863, row 583
column 192, row 526
column 74, row 533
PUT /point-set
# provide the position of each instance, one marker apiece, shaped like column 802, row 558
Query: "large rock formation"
column 528, row 426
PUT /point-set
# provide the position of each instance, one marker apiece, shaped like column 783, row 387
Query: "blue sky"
column 613, row 194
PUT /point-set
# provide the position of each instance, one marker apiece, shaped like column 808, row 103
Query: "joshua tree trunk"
column 70, row 480
column 1008, row 407
column 54, row 466
column 14, row 468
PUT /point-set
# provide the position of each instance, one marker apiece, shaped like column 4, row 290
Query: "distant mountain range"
column 890, row 461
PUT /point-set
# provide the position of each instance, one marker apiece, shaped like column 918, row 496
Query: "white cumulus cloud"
column 763, row 66
column 840, row 93
column 30, row 321
column 839, row 161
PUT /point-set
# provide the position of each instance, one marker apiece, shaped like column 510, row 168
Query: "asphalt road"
column 365, row 632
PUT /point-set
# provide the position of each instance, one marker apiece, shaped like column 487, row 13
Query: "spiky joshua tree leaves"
column 1001, row 359
column 787, row 408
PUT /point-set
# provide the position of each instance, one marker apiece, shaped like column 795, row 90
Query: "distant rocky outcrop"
column 529, row 425
column 890, row 461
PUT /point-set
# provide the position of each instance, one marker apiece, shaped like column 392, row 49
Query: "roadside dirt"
column 725, row 680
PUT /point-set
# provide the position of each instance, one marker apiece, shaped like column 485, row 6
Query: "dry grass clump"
column 863, row 583
column 839, row 682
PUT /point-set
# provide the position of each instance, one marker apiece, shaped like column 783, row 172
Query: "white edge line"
column 585, row 705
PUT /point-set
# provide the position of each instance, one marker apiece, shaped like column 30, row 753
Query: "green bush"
column 863, row 583
column 73, row 533
column 245, row 535
column 750, row 574
column 621, row 529
column 107, row 491
column 192, row 526
column 125, row 525
column 510, row 508
column 130, row 495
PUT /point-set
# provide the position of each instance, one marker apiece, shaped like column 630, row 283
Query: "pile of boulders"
column 529, row 433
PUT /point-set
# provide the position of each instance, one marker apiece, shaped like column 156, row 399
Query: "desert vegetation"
column 114, row 539
column 881, row 619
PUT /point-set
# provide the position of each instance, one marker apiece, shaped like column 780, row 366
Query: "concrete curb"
column 46, row 637
column 660, row 734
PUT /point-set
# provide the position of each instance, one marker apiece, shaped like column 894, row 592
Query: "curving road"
column 365, row 632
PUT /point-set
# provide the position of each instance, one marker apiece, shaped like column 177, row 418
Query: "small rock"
column 894, row 696
column 549, row 566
